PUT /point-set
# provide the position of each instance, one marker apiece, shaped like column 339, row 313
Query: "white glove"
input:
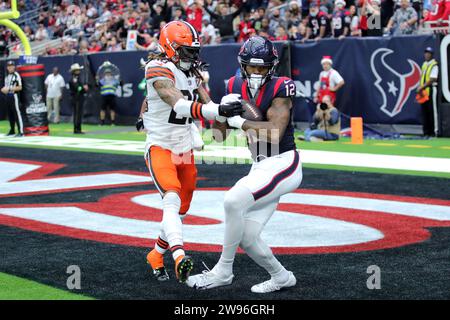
column 197, row 141
column 229, row 98
column 236, row 122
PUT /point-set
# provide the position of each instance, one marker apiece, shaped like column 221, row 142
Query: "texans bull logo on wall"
column 394, row 87
column 306, row 221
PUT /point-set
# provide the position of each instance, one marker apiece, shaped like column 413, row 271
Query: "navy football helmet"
column 257, row 51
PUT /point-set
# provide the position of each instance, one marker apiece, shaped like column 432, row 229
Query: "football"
column 251, row 112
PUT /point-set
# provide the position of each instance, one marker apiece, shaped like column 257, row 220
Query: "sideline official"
column 78, row 87
column 427, row 94
column 11, row 88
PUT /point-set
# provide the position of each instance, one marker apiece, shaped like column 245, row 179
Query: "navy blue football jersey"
column 276, row 87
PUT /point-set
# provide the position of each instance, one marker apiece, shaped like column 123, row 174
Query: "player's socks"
column 171, row 223
column 223, row 268
column 161, row 244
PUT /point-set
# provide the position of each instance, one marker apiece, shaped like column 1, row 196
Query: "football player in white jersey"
column 174, row 98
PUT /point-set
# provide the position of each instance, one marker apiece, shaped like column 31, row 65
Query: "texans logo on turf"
column 394, row 87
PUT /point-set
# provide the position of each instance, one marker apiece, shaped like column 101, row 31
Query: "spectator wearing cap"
column 54, row 83
column 78, row 86
column 330, row 81
column 11, row 88
column 404, row 20
column 427, row 93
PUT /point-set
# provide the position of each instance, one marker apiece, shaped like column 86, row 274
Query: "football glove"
column 231, row 109
column 140, row 124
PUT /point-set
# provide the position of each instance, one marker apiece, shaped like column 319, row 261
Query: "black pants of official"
column 14, row 113
column 77, row 106
column 109, row 101
column 428, row 117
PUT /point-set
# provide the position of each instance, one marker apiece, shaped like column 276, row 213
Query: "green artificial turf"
column 15, row 288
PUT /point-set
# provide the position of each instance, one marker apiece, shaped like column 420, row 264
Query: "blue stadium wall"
column 380, row 75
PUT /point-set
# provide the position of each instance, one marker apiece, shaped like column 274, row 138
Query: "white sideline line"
column 348, row 159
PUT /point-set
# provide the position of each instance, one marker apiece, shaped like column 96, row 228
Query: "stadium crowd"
column 91, row 26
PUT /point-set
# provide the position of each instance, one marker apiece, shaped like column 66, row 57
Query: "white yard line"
column 349, row 159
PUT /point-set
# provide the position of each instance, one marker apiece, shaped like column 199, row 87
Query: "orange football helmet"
column 180, row 43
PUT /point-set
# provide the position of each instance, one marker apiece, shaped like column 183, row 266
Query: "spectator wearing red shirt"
column 194, row 15
column 280, row 34
column 244, row 27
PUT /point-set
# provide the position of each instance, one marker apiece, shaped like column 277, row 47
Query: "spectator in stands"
column 387, row 11
column 208, row 34
column 41, row 33
column 371, row 19
column 280, row 34
column 276, row 20
column 244, row 27
column 54, row 84
column 319, row 25
column 224, row 21
column 194, row 14
column 355, row 29
column 403, row 21
column 294, row 34
column 341, row 20
column 29, row 33
column 294, row 14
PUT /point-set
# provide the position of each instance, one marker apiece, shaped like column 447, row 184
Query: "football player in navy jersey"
column 319, row 25
column 276, row 168
column 341, row 20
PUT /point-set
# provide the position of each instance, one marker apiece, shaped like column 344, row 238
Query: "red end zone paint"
column 398, row 230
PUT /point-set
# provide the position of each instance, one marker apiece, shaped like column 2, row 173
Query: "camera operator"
column 327, row 123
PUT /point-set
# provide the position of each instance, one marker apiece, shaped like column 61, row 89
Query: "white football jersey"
column 164, row 127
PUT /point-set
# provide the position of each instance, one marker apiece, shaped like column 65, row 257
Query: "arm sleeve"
column 336, row 77
column 19, row 80
column 212, row 14
column 434, row 72
column 334, row 117
column 238, row 11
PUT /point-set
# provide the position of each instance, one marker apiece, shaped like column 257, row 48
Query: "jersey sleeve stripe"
column 159, row 74
column 159, row 69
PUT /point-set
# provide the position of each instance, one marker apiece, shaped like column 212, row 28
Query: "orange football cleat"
column 183, row 268
column 156, row 261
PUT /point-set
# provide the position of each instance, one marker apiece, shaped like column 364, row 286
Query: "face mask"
column 185, row 65
column 313, row 14
column 255, row 81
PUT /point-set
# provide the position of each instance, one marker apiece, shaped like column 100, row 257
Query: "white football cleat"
column 271, row 285
column 208, row 280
